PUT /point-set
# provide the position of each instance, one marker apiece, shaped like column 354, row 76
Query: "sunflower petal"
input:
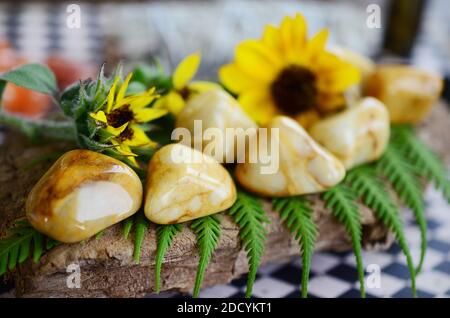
column 111, row 94
column 258, row 105
column 236, row 80
column 123, row 149
column 144, row 115
column 123, row 90
column 186, row 70
column 99, row 116
column 116, row 131
column 202, row 86
column 258, row 60
column 317, row 43
column 173, row 102
column 139, row 138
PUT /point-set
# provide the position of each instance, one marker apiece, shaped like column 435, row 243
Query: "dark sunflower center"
column 294, row 90
column 127, row 134
column 120, row 116
column 185, row 92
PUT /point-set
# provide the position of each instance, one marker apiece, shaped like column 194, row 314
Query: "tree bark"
column 106, row 263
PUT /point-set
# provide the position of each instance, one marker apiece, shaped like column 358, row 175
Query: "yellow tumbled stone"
column 83, row 193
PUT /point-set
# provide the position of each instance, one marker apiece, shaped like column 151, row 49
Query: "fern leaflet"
column 427, row 163
column 404, row 181
column 341, row 201
column 248, row 213
column 165, row 234
column 16, row 247
column 141, row 225
column 296, row 214
column 363, row 181
column 207, row 229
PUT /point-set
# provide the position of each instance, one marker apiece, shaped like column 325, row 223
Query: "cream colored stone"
column 184, row 184
column 218, row 110
column 407, row 92
column 357, row 135
column 304, row 166
column 83, row 193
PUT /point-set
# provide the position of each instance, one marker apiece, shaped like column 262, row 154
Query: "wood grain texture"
column 107, row 266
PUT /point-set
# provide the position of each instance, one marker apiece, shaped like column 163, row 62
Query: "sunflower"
column 122, row 115
column 284, row 72
column 182, row 87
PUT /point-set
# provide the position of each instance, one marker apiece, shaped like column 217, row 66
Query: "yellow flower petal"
column 317, row 43
column 258, row 105
column 139, row 138
column 99, row 116
column 202, row 86
column 173, row 102
column 111, row 94
column 257, row 60
column 122, row 91
column 236, row 80
column 123, row 149
column 116, row 131
column 144, row 115
column 299, row 33
column 338, row 80
column 186, row 70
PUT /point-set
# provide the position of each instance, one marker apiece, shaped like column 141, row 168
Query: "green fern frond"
column 165, row 235
column 364, row 182
column 341, row 201
column 296, row 214
column 394, row 167
column 207, row 229
column 16, row 247
column 127, row 226
column 249, row 215
column 141, row 225
column 427, row 163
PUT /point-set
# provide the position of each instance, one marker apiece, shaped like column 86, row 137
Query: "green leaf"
column 127, row 225
column 207, row 230
column 141, row 227
column 341, row 201
column 364, row 182
column 36, row 77
column 165, row 235
column 402, row 175
column 250, row 216
column 422, row 158
column 296, row 214
column 21, row 242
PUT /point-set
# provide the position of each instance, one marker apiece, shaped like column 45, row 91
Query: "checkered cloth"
column 37, row 31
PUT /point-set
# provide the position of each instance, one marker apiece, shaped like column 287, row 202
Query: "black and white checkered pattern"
column 38, row 30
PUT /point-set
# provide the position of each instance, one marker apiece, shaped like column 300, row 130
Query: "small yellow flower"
column 284, row 72
column 183, row 89
column 122, row 115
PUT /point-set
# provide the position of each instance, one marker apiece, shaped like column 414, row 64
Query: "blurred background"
column 407, row 31
column 415, row 31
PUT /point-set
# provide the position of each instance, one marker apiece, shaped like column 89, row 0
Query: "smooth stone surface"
column 407, row 92
column 184, row 184
column 83, row 193
column 219, row 110
column 304, row 166
column 357, row 135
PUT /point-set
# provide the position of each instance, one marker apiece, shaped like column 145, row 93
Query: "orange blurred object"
column 68, row 72
column 24, row 102
column 19, row 100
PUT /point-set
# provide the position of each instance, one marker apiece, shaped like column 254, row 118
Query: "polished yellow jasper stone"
column 83, row 193
column 184, row 184
column 303, row 165
column 407, row 92
column 357, row 135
